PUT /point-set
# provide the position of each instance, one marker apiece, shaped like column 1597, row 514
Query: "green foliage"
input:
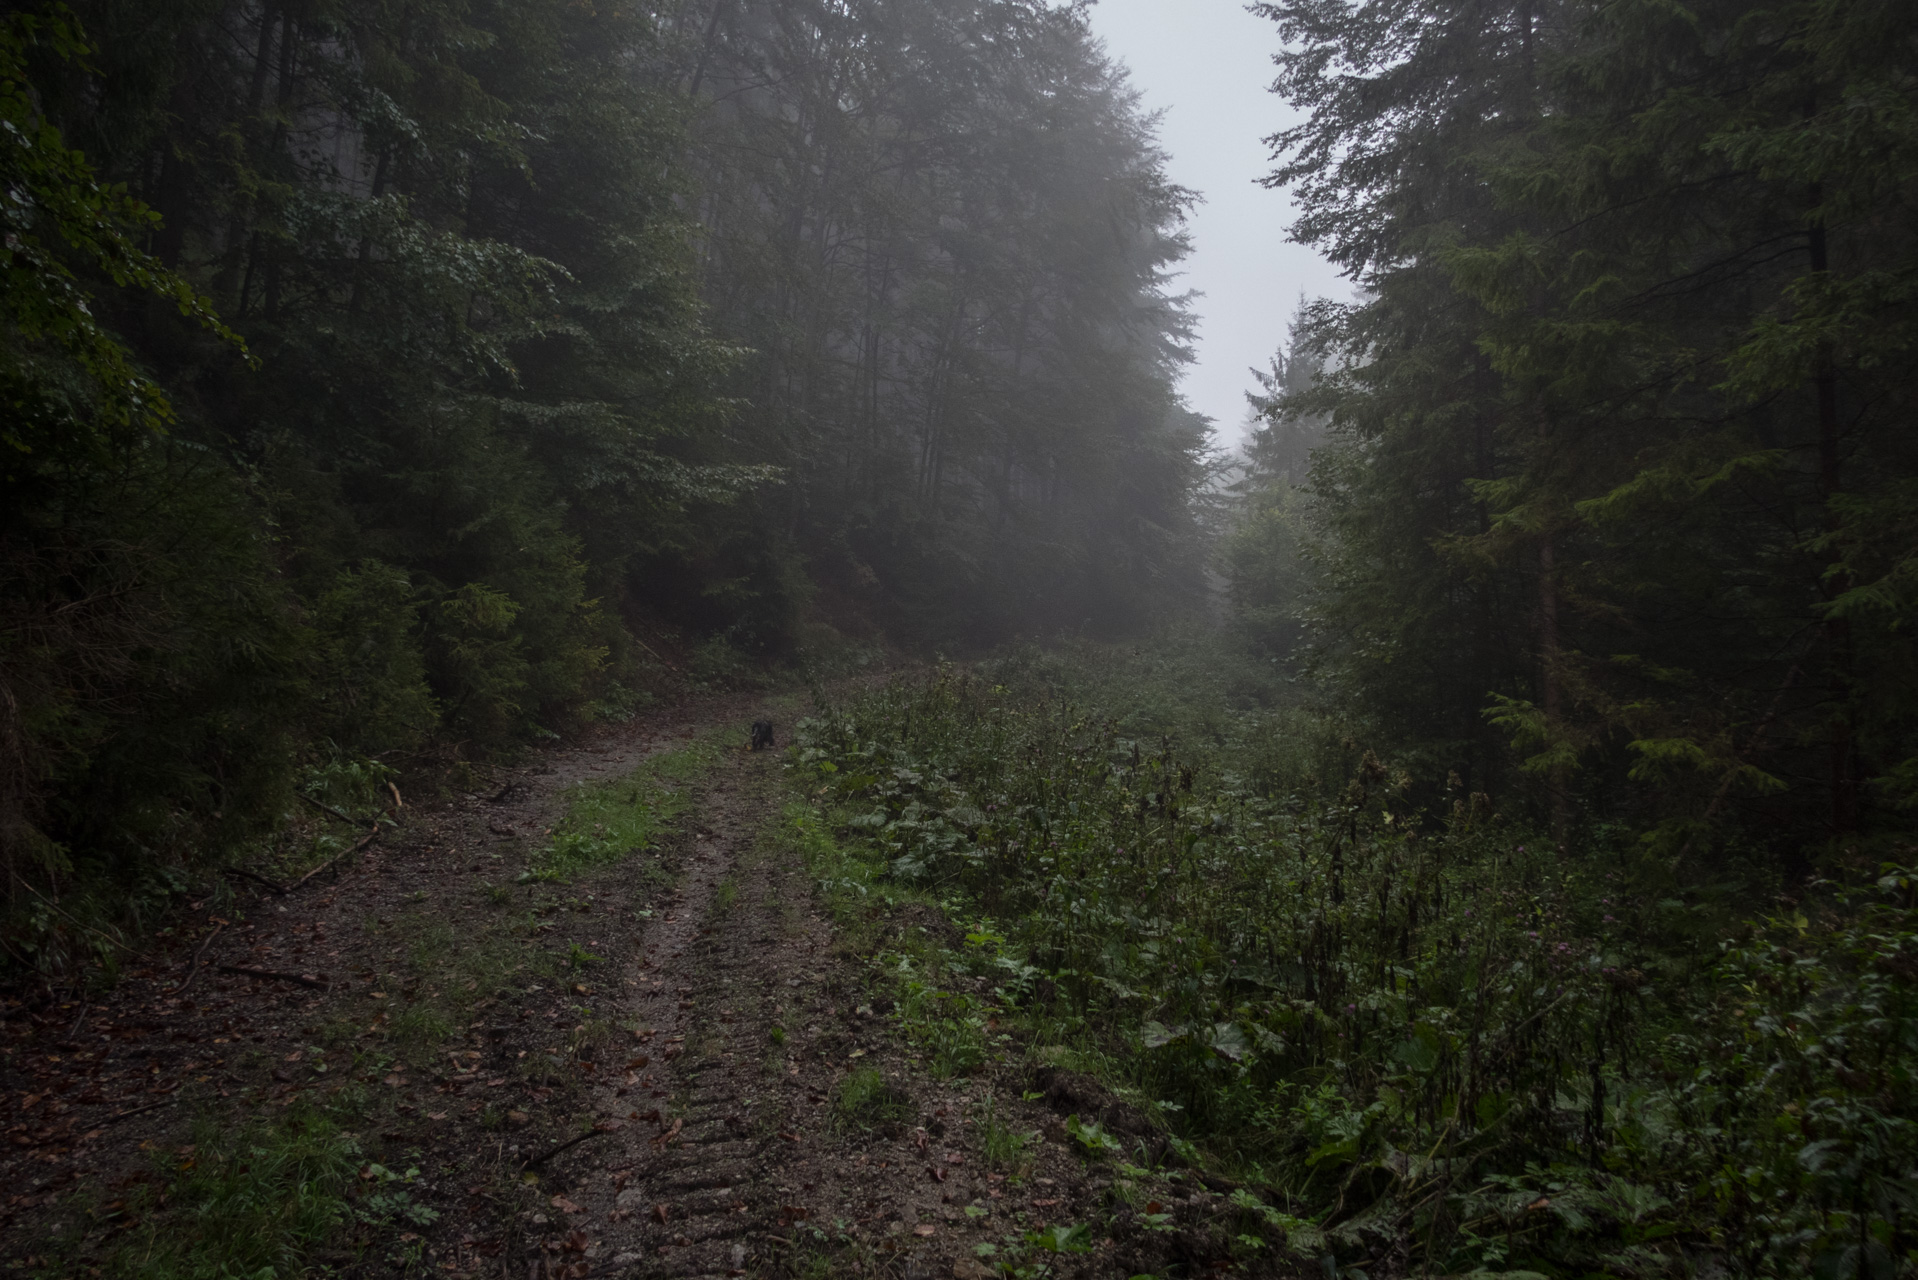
column 247, row 1202
column 391, row 521
column 480, row 661
column 1439, row 1036
column 353, row 785
column 964, row 353
column 866, row 1102
column 609, row 821
column 948, row 1027
column 464, row 417
column 373, row 693
column 1090, row 1136
column 154, row 674
column 1002, row 1147
column 74, row 394
column 1609, row 447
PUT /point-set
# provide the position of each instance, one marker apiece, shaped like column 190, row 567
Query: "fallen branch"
column 151, row 1106
column 542, row 1158
column 370, row 837
column 318, row 984
column 193, row 971
column 85, row 928
column 656, row 653
column 324, row 807
column 257, row 879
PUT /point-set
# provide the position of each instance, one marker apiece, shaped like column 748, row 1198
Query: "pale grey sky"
column 1207, row 65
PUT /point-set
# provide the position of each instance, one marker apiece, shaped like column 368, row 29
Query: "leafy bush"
column 373, row 694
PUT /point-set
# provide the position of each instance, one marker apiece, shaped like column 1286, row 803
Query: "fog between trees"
column 405, row 382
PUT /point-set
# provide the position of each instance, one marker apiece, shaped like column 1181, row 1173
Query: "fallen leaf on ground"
column 564, row 1205
column 924, row 1229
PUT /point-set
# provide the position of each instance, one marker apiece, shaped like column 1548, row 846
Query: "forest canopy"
column 1465, row 831
column 389, row 379
column 1610, row 489
column 399, row 384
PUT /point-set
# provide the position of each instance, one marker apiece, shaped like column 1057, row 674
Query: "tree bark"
column 1551, row 695
column 1842, row 781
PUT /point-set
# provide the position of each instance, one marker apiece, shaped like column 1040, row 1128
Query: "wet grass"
column 322, row 1178
column 865, row 1103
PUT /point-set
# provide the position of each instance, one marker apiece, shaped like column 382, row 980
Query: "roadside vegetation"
column 338, row 1165
column 1406, row 1025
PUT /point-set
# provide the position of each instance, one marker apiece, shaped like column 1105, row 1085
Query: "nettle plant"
column 1419, row 1033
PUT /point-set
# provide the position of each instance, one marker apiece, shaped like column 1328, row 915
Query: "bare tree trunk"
column 1843, row 784
column 232, row 253
column 1551, row 696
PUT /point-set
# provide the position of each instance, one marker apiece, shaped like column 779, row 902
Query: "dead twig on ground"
column 318, row 984
column 193, row 971
column 324, row 807
column 567, row 1145
column 151, row 1106
column 257, row 879
column 107, row 938
column 369, row 838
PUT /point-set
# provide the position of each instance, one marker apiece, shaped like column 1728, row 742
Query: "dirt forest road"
column 663, row 1066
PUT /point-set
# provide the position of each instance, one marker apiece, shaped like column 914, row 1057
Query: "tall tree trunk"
column 706, row 48
column 1551, row 696
column 1842, row 782
column 365, row 254
column 233, row 255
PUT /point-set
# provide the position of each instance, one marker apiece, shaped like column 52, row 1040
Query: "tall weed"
column 1417, row 1030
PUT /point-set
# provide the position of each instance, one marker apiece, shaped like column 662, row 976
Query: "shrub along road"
column 584, row 1018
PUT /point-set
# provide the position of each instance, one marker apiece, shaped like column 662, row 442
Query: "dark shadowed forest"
column 1463, row 830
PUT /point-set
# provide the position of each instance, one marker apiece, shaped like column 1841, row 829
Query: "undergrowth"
column 1422, row 1035
column 260, row 1198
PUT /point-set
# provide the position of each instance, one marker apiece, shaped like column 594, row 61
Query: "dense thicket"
column 1617, row 501
column 1433, row 1048
column 546, row 319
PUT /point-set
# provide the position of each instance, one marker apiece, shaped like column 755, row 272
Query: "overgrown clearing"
column 1067, row 963
column 1420, row 1037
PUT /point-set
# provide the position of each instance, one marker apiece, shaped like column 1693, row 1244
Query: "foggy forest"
column 622, row 655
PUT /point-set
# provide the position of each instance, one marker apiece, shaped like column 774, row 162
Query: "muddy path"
column 669, row 1064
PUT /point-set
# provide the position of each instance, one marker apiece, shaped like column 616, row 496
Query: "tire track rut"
column 709, row 1096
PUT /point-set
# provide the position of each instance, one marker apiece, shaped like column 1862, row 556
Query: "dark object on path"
column 762, row 735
